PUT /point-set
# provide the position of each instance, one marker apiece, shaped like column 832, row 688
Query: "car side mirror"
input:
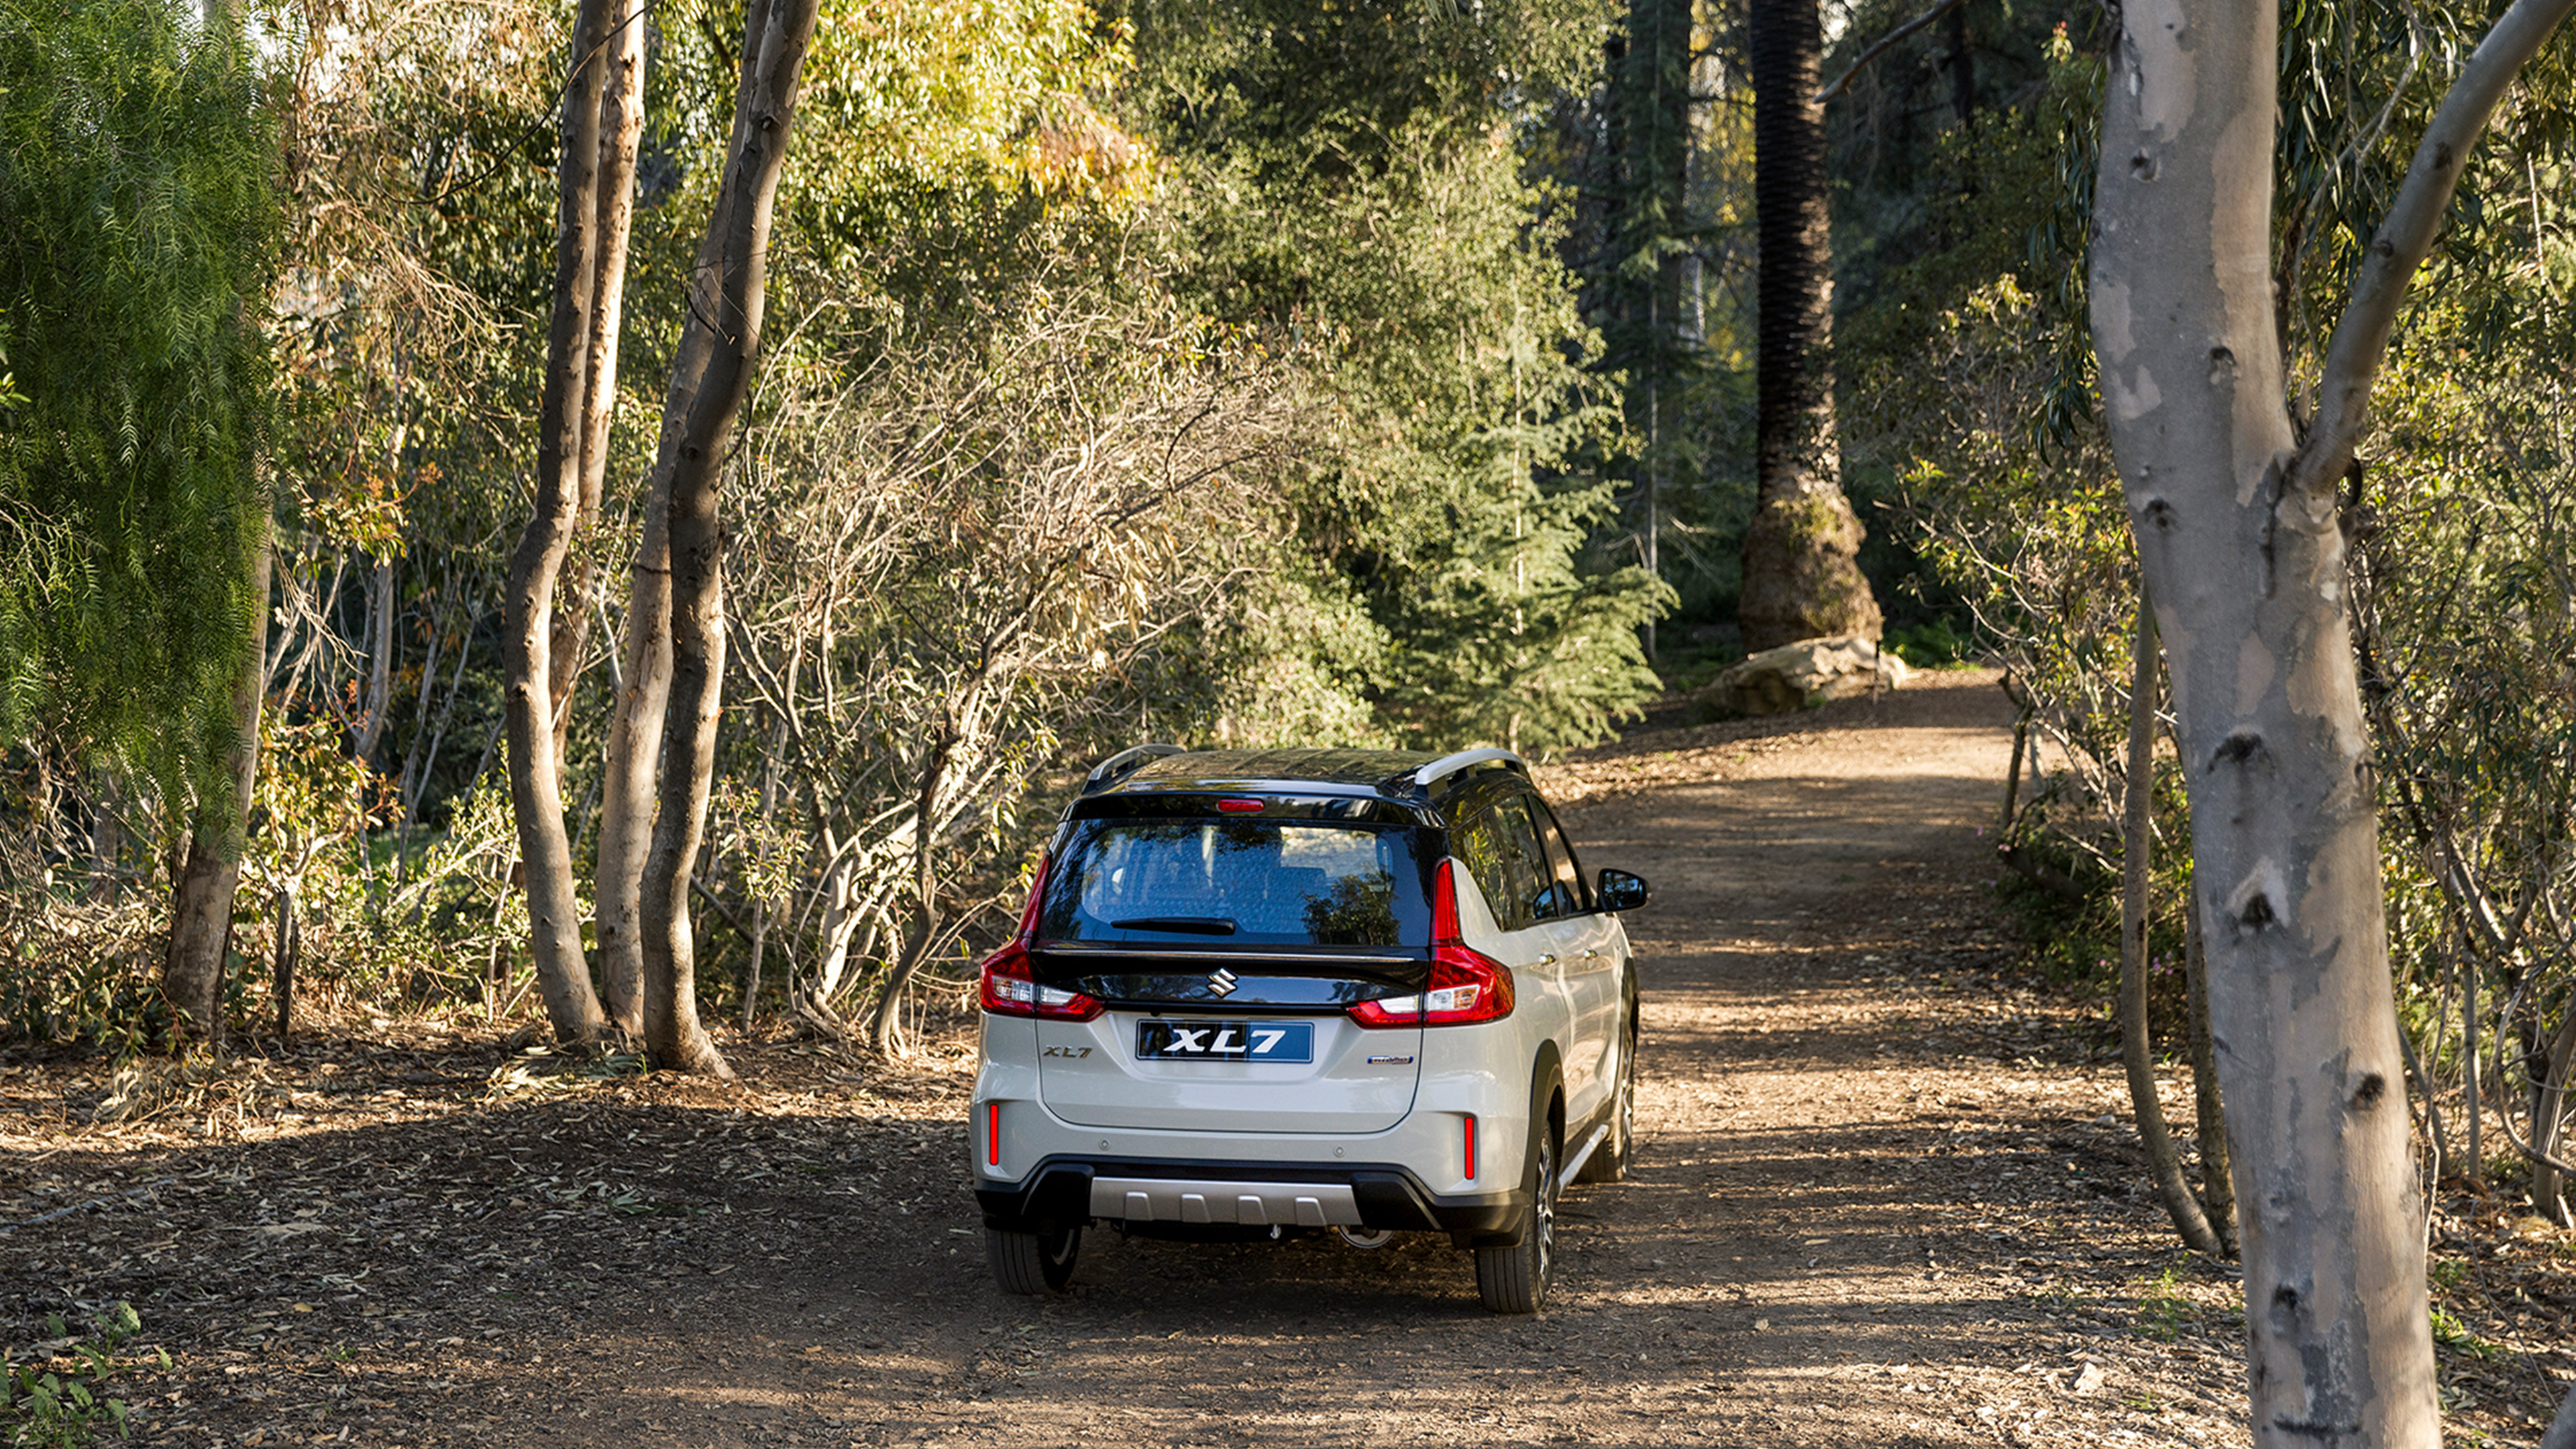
column 1621, row 891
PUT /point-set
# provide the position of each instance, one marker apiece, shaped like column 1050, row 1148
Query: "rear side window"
column 1502, row 853
column 1260, row 882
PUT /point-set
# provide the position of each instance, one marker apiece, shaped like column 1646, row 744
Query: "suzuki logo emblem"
column 1222, row 983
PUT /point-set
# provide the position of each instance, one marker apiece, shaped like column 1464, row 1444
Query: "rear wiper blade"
column 1194, row 925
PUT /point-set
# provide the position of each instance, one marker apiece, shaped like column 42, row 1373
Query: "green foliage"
column 97, row 991
column 1350, row 185
column 2458, row 1337
column 137, row 229
column 51, row 1408
column 1933, row 644
column 2164, row 1311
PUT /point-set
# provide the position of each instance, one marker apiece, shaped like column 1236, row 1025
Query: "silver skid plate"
column 1253, row 1204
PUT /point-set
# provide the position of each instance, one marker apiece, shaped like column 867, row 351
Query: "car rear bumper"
column 1222, row 1193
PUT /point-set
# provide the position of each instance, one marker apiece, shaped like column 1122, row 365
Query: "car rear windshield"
column 1202, row 881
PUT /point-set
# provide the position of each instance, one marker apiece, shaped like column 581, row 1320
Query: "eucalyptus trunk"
column 718, row 354
column 634, row 758
column 621, row 137
column 528, row 712
column 2235, row 508
column 1802, row 579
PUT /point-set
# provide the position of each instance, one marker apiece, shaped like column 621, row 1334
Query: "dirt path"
column 1886, row 1197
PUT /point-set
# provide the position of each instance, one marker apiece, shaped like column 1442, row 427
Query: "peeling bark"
column 2239, row 538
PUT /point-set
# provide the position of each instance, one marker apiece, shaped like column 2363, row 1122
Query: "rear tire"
column 1515, row 1279
column 1033, row 1263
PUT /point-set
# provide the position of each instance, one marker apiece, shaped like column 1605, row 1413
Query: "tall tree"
column 138, row 233
column 719, row 350
column 621, row 136
column 2236, row 509
column 585, row 248
column 1801, row 575
column 1646, row 330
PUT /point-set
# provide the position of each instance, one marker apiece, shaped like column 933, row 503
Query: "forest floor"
column 1887, row 1196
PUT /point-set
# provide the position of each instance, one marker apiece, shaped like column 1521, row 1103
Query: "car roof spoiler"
column 1464, row 760
column 1124, row 763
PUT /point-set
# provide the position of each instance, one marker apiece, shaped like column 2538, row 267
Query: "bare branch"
column 1885, row 43
column 2406, row 238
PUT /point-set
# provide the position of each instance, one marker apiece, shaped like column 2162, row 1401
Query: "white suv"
column 1258, row 994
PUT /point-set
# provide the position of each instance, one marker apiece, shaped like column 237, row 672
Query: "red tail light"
column 1007, row 988
column 1005, row 984
column 1471, row 1147
column 993, row 1136
column 1467, row 986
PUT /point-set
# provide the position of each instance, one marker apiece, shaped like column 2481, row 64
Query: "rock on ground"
column 1809, row 672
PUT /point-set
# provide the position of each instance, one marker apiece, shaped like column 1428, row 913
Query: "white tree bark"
column 2242, row 548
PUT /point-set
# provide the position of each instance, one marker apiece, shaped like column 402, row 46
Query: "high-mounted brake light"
column 1006, row 985
column 1467, row 986
column 1238, row 807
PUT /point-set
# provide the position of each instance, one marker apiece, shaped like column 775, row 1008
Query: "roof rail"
column 1448, row 765
column 1126, row 762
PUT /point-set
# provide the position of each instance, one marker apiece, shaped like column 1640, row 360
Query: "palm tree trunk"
column 1801, row 579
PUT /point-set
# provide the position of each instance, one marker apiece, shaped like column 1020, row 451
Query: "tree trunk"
column 759, row 898
column 2217, row 1186
column 1652, row 134
column 2245, row 559
column 289, row 933
column 634, row 756
column 621, row 135
column 1801, row 578
column 2137, row 836
column 2239, row 533
column 380, row 661
column 2472, row 1047
column 698, row 416
column 2548, row 1122
column 201, row 909
column 528, row 714
column 2562, row 1431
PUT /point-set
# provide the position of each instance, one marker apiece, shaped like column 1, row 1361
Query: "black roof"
column 1356, row 771
column 1370, row 782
